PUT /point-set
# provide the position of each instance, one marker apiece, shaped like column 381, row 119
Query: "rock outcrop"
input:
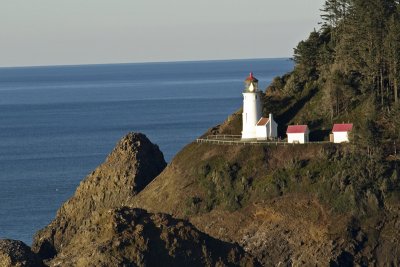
column 97, row 228
column 133, row 164
column 16, row 254
column 132, row 237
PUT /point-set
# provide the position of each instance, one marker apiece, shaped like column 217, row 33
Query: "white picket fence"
column 236, row 140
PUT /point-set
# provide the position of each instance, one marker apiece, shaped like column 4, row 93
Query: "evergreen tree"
column 392, row 45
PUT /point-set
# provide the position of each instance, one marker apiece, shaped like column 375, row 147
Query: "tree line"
column 356, row 54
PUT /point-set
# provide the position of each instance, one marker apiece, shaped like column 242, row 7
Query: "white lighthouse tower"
column 252, row 108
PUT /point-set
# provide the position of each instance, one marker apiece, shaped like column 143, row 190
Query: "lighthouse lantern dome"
column 251, row 84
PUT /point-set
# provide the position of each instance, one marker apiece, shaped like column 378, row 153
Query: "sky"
column 65, row 32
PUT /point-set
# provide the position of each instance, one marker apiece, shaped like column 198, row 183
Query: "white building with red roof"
column 341, row 132
column 254, row 125
column 266, row 128
column 298, row 134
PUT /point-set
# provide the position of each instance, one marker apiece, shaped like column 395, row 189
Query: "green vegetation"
column 226, row 180
column 349, row 70
column 341, row 178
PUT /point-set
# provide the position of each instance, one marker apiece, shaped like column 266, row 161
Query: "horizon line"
column 140, row 62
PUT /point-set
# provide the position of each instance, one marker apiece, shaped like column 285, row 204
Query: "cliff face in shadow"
column 16, row 254
column 133, row 237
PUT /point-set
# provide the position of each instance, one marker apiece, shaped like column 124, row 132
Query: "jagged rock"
column 94, row 228
column 16, row 254
column 133, row 164
column 132, row 237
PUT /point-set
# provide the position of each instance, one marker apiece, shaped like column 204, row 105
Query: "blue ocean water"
column 58, row 123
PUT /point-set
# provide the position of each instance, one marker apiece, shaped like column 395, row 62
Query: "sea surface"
column 58, row 123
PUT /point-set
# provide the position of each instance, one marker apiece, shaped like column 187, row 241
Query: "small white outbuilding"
column 266, row 128
column 298, row 134
column 341, row 132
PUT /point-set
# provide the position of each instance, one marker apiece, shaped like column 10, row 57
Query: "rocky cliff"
column 133, row 164
column 96, row 228
column 16, row 254
column 284, row 205
column 302, row 205
column 133, row 237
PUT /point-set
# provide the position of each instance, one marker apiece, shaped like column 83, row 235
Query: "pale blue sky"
column 58, row 32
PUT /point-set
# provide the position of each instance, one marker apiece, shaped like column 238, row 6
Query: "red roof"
column 251, row 78
column 297, row 129
column 342, row 127
column 263, row 121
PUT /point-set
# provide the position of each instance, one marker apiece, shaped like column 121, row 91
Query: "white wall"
column 297, row 138
column 262, row 131
column 273, row 129
column 270, row 130
column 340, row 137
column 251, row 114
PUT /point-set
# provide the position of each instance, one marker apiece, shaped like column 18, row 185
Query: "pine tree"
column 392, row 45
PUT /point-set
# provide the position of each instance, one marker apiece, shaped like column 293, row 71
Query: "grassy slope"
column 304, row 190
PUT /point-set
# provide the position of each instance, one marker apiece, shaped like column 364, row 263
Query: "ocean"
column 58, row 123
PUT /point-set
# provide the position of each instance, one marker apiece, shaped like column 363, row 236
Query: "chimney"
column 270, row 124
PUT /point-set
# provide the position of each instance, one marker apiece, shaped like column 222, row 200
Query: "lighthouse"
column 255, row 126
column 252, row 108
